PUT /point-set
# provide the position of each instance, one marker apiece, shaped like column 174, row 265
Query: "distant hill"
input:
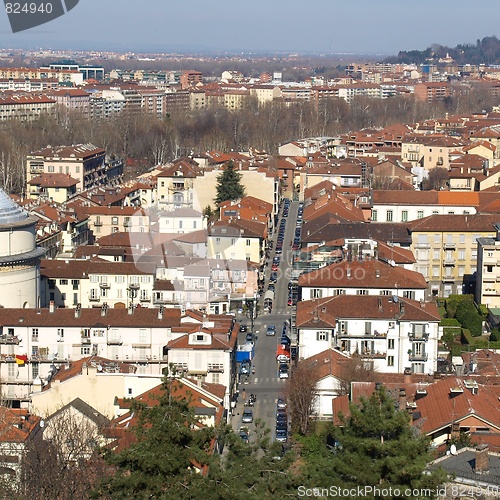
column 485, row 51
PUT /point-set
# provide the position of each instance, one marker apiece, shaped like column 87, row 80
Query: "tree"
column 437, row 179
column 376, row 445
column 301, row 395
column 165, row 452
column 355, row 369
column 229, row 185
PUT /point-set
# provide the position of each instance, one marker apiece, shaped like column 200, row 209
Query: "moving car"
column 283, row 370
column 243, row 433
column 243, row 328
column 271, row 330
column 247, row 417
column 249, row 337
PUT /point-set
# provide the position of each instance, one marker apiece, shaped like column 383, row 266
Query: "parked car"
column 282, row 425
column 245, row 368
column 281, row 403
column 249, row 337
column 247, row 417
column 243, row 328
column 282, row 436
column 243, row 433
column 271, row 330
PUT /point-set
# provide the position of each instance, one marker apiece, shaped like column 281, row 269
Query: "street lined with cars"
column 264, row 378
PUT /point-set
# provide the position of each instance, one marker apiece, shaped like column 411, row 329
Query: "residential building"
column 390, row 334
column 84, row 162
column 181, row 220
column 487, row 290
column 104, row 221
column 446, row 250
column 52, row 187
column 362, row 277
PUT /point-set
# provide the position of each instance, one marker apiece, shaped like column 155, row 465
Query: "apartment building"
column 390, row 334
column 34, row 342
column 26, row 107
column 487, row 290
column 446, row 250
column 52, row 187
column 104, row 221
column 432, row 91
column 92, row 283
column 84, row 162
column 175, row 185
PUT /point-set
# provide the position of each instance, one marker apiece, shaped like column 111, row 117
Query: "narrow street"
column 265, row 382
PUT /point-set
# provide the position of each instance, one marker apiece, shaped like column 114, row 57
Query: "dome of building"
column 10, row 211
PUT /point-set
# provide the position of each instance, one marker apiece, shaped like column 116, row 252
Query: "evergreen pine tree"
column 229, row 185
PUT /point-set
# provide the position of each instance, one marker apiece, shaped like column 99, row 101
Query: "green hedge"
column 467, row 338
column 450, row 322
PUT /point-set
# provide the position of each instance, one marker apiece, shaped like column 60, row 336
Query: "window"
column 390, row 343
column 248, row 242
column 217, row 241
column 12, row 369
column 461, row 270
column 114, row 220
column 316, row 293
column 63, row 297
column 85, row 350
column 215, row 378
column 52, row 284
column 94, row 278
column 180, row 224
column 34, row 369
column 200, row 338
column 489, row 269
column 473, row 255
column 461, row 254
column 389, row 215
column 409, row 294
column 77, row 169
column 34, row 334
column 322, row 336
column 390, row 360
column 420, row 214
column 462, row 238
column 60, row 332
column 361, row 292
column 143, row 335
column 120, row 279
column 385, row 292
column 404, row 216
column 436, row 254
column 435, row 271
column 437, row 239
column 75, row 284
column 374, row 215
column 368, row 327
column 50, row 169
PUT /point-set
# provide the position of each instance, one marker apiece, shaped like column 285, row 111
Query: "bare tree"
column 355, row 369
column 437, row 179
column 301, row 395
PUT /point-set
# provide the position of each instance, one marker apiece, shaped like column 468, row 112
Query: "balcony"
column 425, row 244
column 419, row 357
column 367, row 353
column 127, row 223
column 180, row 367
column 448, row 279
column 114, row 341
column 490, row 279
column 85, row 340
column 450, row 246
column 98, row 223
column 418, row 336
column 9, row 339
column 216, row 367
column 134, row 286
column 449, row 262
column 94, row 298
column 145, row 299
column 104, row 284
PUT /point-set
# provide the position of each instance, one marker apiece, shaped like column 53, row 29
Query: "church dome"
column 10, row 211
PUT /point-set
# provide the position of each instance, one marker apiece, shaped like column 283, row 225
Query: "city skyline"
column 320, row 27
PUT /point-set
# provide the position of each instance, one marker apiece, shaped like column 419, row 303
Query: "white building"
column 391, row 334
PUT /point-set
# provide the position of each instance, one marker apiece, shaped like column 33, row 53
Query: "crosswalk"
column 268, row 380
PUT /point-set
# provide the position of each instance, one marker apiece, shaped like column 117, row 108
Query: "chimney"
column 78, row 310
column 422, row 303
column 482, row 464
column 380, row 303
column 131, row 309
column 104, row 309
column 401, row 308
column 199, row 382
column 52, row 306
column 348, row 272
column 160, row 312
column 377, row 273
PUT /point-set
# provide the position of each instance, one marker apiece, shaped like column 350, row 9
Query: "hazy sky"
column 320, row 26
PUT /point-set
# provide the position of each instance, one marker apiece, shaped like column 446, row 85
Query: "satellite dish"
column 42, row 423
column 453, row 449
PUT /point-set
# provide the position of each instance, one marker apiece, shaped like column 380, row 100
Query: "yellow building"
column 445, row 248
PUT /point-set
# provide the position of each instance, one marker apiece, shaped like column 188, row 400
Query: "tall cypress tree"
column 229, row 185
